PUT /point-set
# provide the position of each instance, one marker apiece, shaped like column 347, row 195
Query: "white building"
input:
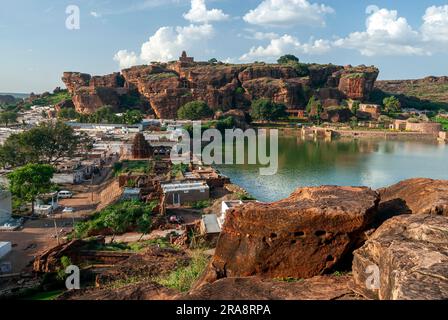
column 210, row 225
column 5, row 248
column 5, row 206
column 188, row 192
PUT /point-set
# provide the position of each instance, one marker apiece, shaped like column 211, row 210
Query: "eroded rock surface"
column 303, row 236
column 405, row 259
column 416, row 196
column 166, row 87
column 253, row 288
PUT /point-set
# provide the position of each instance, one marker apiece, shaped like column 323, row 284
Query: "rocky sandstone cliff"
column 166, row 87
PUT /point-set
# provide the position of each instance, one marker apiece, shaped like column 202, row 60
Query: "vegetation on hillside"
column 377, row 96
column 134, row 166
column 195, row 110
column 105, row 114
column 118, row 218
column 8, row 117
column 49, row 99
column 183, row 278
column 267, row 110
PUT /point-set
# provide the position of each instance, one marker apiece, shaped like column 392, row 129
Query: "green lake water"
column 372, row 163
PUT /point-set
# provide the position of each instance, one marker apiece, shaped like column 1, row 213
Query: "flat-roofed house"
column 188, row 192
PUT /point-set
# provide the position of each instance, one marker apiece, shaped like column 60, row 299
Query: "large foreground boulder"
column 303, row 236
column 405, row 259
column 415, row 196
column 253, row 288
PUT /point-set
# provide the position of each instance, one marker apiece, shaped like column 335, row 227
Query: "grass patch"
column 443, row 122
column 128, row 166
column 161, row 76
column 52, row 99
column 357, row 75
column 202, row 204
column 183, row 278
column 45, row 296
column 289, row 280
column 162, row 243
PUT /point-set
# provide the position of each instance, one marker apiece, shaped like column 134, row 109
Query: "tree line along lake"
column 373, row 163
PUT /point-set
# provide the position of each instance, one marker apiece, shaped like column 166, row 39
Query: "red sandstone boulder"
column 416, row 196
column 405, row 259
column 253, row 288
column 75, row 80
column 305, row 235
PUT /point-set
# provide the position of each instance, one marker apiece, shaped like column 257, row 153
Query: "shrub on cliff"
column 314, row 109
column 287, row 58
column 266, row 110
column 196, row 110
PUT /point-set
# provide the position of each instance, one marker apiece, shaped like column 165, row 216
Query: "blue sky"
column 404, row 40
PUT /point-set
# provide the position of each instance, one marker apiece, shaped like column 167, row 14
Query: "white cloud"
column 126, row 59
column 288, row 13
column 95, row 14
column 199, row 13
column 167, row 44
column 284, row 45
column 386, row 34
column 258, row 35
column 435, row 25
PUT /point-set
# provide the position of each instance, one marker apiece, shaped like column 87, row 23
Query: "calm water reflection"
column 371, row 163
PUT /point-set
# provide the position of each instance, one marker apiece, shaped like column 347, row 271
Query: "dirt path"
column 35, row 237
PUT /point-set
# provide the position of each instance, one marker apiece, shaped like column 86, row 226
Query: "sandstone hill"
column 165, row 87
column 429, row 92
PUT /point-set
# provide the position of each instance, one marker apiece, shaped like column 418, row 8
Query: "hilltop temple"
column 184, row 58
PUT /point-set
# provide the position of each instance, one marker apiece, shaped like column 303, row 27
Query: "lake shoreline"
column 332, row 133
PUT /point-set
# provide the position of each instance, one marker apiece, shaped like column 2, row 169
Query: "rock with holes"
column 302, row 236
column 416, row 196
column 405, row 259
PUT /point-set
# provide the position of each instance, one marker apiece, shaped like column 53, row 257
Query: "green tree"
column 287, row 58
column 68, row 114
column 225, row 123
column 213, row 61
column 314, row 109
column 196, row 110
column 30, row 181
column 355, row 107
column 392, row 104
column 47, row 143
column 104, row 115
column 8, row 117
column 132, row 117
column 266, row 110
